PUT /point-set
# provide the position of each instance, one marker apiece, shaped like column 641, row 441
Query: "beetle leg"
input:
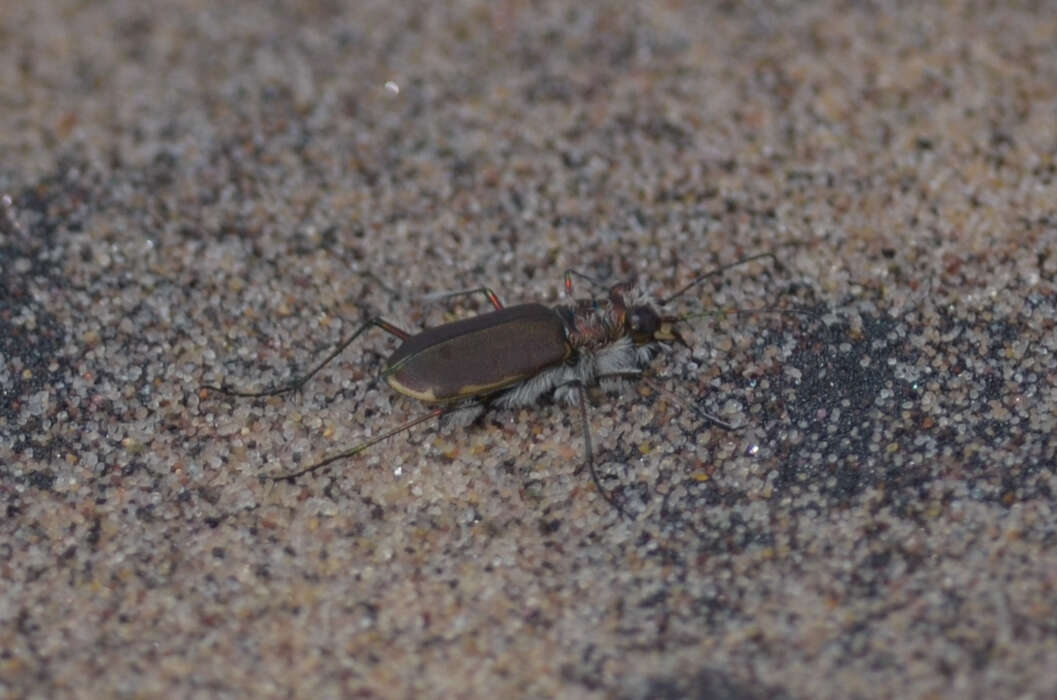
column 570, row 273
column 435, row 413
column 493, row 299
column 300, row 381
column 589, row 454
column 463, row 414
column 671, row 396
column 615, row 382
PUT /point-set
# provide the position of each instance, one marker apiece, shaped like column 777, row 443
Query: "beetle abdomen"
column 479, row 355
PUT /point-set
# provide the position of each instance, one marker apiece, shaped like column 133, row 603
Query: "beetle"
column 513, row 355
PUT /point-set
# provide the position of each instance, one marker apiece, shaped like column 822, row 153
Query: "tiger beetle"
column 512, row 356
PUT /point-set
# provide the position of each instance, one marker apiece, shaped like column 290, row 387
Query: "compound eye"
column 643, row 321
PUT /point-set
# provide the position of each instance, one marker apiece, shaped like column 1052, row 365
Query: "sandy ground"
column 194, row 194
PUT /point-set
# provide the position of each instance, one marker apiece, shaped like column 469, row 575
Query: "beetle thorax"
column 592, row 324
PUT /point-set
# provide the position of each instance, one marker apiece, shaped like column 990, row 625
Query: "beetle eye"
column 643, row 321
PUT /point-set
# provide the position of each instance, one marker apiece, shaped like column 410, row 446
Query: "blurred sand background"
column 197, row 192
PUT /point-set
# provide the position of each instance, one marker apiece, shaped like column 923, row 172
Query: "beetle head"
column 647, row 326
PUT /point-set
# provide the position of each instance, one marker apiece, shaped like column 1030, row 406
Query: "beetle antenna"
column 732, row 312
column 712, row 273
column 435, row 413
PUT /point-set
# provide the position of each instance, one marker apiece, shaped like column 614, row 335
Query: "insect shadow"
column 513, row 356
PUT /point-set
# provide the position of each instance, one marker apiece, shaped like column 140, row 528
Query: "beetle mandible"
column 513, row 355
